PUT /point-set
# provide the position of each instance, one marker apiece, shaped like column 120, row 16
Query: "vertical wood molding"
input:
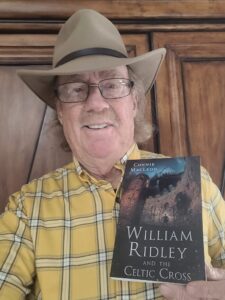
column 176, row 99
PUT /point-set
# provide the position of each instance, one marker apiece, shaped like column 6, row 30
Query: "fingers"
column 214, row 273
column 194, row 290
column 214, row 288
column 207, row 289
column 174, row 292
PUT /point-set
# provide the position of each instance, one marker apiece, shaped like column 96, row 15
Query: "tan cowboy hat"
column 89, row 42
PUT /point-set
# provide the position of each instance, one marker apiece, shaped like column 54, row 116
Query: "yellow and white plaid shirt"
column 57, row 237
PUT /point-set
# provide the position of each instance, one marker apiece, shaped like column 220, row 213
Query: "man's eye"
column 112, row 86
column 77, row 90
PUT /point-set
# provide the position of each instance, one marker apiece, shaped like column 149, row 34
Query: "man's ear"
column 59, row 112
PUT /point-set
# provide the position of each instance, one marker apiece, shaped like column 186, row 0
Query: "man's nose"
column 95, row 101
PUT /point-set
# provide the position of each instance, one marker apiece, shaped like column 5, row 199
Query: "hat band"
column 89, row 51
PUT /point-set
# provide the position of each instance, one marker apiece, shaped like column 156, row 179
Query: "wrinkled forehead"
column 119, row 72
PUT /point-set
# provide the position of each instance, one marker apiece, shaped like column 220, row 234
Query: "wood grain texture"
column 34, row 26
column 49, row 153
column 127, row 9
column 190, row 98
column 21, row 112
column 19, row 131
column 204, row 89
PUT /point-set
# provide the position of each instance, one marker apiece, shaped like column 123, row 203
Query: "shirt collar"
column 132, row 153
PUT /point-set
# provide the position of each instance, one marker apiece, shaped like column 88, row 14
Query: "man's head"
column 88, row 44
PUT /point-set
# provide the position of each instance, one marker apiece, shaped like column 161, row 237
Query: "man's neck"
column 104, row 168
column 113, row 176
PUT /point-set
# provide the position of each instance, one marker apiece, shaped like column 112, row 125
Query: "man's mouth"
column 97, row 126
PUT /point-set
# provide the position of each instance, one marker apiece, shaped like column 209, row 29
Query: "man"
column 57, row 234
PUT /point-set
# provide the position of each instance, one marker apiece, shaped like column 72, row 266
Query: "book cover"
column 159, row 232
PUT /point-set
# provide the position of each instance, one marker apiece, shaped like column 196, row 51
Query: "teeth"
column 97, row 126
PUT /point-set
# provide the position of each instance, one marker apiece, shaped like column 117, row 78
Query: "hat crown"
column 84, row 30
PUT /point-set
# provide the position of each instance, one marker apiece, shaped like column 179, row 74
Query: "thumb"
column 214, row 273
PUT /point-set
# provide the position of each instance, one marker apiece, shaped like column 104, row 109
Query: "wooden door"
column 191, row 98
column 30, row 139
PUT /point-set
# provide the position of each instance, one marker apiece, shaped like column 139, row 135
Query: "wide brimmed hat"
column 90, row 42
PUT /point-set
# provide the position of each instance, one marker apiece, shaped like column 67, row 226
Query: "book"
column 159, row 232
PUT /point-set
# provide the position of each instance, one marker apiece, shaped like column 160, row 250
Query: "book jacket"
column 159, row 232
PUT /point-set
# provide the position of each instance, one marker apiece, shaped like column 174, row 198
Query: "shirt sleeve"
column 16, row 251
column 213, row 222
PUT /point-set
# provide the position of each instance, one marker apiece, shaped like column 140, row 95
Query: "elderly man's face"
column 98, row 128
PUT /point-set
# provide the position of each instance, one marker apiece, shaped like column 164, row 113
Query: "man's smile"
column 98, row 126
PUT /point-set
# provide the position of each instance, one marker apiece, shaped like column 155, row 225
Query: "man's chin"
column 102, row 150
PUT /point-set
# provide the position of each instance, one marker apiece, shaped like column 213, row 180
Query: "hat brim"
column 41, row 82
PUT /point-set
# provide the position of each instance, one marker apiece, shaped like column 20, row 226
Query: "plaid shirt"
column 57, row 237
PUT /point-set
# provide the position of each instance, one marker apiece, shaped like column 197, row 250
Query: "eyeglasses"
column 112, row 88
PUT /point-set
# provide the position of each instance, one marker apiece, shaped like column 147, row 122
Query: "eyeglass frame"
column 131, row 82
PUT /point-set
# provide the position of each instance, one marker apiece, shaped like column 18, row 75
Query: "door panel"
column 20, row 122
column 190, row 98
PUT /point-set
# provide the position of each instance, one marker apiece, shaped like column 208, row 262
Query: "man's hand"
column 214, row 288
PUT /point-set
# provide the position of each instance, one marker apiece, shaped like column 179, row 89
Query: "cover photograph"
column 159, row 232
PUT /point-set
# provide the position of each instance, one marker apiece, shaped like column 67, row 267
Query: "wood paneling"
column 21, row 113
column 34, row 26
column 204, row 88
column 190, row 98
column 136, row 9
column 19, row 131
column 49, row 153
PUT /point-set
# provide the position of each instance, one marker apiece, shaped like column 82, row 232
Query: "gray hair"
column 142, row 127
